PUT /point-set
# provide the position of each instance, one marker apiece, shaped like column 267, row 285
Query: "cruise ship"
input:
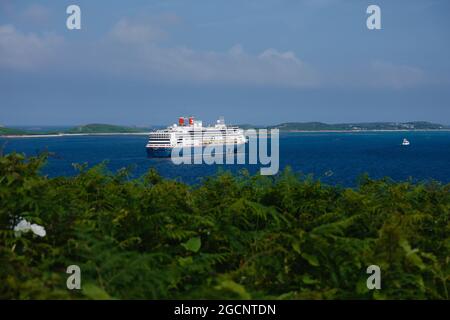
column 190, row 133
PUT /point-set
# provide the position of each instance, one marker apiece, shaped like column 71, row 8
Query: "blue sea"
column 334, row 158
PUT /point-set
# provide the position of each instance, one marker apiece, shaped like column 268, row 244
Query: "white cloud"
column 145, row 56
column 26, row 51
column 135, row 50
column 232, row 67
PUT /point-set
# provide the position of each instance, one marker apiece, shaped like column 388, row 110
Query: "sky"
column 147, row 62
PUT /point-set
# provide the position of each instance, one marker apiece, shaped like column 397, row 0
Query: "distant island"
column 105, row 128
column 364, row 126
column 4, row 131
column 100, row 128
column 95, row 128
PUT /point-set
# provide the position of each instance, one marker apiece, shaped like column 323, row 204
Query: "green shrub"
column 232, row 236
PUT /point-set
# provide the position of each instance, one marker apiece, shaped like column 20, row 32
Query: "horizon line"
column 241, row 123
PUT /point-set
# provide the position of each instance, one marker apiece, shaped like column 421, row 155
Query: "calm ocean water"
column 335, row 158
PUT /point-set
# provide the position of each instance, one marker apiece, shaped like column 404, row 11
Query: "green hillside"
column 104, row 128
column 99, row 128
column 320, row 126
column 11, row 131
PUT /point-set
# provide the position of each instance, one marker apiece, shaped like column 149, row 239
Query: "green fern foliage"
column 229, row 237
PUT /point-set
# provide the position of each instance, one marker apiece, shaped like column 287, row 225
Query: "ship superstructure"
column 190, row 133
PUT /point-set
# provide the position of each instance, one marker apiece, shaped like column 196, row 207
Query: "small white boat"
column 405, row 142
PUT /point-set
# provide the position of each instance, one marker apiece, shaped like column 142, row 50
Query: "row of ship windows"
column 180, row 140
column 208, row 135
column 195, row 136
column 199, row 134
column 203, row 131
column 191, row 138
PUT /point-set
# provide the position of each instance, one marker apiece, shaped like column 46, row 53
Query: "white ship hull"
column 165, row 152
column 194, row 139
